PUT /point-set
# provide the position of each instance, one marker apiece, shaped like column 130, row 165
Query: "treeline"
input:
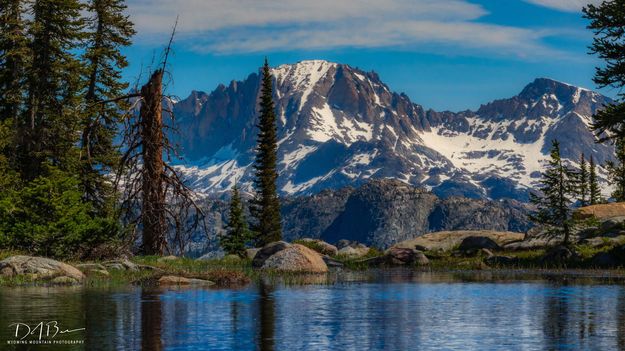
column 563, row 187
column 60, row 60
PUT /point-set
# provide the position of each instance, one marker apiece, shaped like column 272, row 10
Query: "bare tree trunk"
column 153, row 213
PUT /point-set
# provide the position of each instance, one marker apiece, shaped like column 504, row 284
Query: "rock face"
column 40, row 268
column 340, row 126
column 384, row 212
column 601, row 211
column 446, row 241
column 296, row 258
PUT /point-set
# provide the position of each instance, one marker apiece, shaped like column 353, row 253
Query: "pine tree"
column 593, row 184
column 13, row 57
column 266, row 205
column 582, row 182
column 47, row 131
column 110, row 31
column 237, row 232
column 616, row 171
column 552, row 206
column 606, row 21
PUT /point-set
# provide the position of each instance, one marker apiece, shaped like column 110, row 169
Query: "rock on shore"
column 41, row 268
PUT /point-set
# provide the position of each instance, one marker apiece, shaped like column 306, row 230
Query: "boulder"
column 447, row 240
column 175, row 280
column 295, row 258
column 600, row 212
column 321, row 246
column 267, row 251
column 353, row 252
column 232, row 258
column 93, row 268
column 40, row 268
column 251, row 253
column 122, row 265
column 404, row 256
column 475, row 243
column 612, row 224
column 559, row 255
column 342, row 243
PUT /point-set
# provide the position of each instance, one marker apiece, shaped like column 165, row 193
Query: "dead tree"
column 155, row 200
column 153, row 206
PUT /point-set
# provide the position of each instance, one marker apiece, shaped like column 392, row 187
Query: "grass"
column 230, row 272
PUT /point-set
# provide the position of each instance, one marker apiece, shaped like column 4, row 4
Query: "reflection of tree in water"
column 555, row 318
column 267, row 320
column 620, row 319
column 151, row 320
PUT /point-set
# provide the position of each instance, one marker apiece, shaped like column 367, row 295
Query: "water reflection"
column 388, row 311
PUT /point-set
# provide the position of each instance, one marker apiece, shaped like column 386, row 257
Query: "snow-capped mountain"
column 338, row 126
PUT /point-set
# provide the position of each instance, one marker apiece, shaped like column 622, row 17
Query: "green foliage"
column 47, row 217
column 581, row 182
column 606, row 22
column 616, row 171
column 552, row 205
column 237, row 232
column 265, row 207
column 593, row 184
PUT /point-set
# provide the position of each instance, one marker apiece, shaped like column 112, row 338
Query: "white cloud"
column 565, row 5
column 243, row 26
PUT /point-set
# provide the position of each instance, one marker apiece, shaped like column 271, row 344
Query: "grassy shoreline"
column 228, row 273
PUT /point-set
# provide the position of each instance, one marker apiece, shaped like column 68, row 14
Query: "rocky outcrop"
column 446, row 241
column 397, row 256
column 353, row 251
column 295, row 258
column 40, row 268
column 267, row 251
column 601, row 211
column 475, row 243
column 320, row 246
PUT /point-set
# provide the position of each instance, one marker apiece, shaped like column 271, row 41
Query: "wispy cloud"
column 565, row 5
column 245, row 26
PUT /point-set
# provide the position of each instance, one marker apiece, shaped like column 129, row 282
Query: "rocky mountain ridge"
column 340, row 126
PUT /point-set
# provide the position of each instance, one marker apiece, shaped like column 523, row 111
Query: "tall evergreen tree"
column 266, row 205
column 606, row 21
column 594, row 191
column 13, row 58
column 616, row 171
column 109, row 31
column 552, row 206
column 582, row 182
column 47, row 131
column 237, row 232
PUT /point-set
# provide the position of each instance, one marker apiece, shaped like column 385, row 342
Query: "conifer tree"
column 109, row 31
column 13, row 58
column 265, row 207
column 606, row 21
column 616, row 171
column 593, row 184
column 582, row 182
column 552, row 206
column 237, row 232
column 47, row 131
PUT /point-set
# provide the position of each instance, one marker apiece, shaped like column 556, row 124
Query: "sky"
column 444, row 54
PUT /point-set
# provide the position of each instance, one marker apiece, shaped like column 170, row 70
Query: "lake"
column 386, row 310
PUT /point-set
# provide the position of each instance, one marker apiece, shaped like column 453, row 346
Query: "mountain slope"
column 341, row 126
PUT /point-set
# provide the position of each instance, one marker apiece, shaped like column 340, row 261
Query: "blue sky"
column 444, row 54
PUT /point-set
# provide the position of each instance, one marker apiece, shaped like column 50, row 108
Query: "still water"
column 386, row 310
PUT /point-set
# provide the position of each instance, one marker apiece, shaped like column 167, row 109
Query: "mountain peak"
column 547, row 86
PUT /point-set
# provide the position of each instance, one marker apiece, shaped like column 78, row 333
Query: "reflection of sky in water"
column 396, row 314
